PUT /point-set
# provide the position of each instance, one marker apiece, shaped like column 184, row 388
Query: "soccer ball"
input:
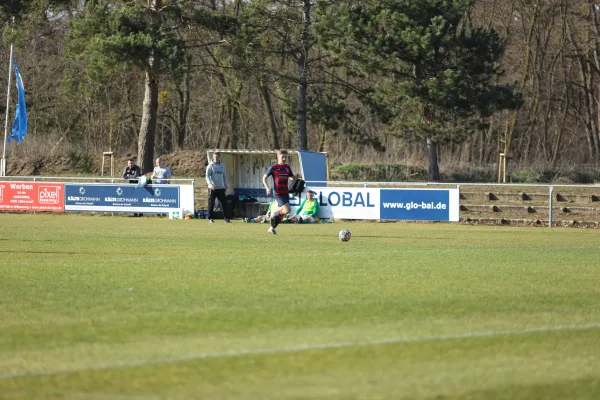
column 345, row 235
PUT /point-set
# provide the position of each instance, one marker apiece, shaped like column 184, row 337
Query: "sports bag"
column 296, row 186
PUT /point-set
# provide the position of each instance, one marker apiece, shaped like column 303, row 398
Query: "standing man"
column 161, row 173
column 281, row 173
column 216, row 179
column 132, row 172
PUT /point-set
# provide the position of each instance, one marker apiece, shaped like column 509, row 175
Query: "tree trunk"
column 164, row 133
column 588, row 99
column 483, row 144
column 147, row 136
column 323, row 140
column 433, row 169
column 272, row 124
column 233, row 104
column 303, row 81
column 132, row 126
column 301, row 107
column 148, row 126
column 184, row 111
column 234, row 122
column 528, row 53
column 220, row 125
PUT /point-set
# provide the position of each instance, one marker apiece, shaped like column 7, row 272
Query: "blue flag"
column 19, row 128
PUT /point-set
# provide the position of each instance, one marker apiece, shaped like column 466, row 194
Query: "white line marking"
column 73, row 261
column 299, row 348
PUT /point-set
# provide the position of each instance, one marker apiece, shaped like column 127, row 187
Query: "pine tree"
column 436, row 76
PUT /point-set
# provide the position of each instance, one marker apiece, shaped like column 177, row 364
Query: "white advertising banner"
column 386, row 204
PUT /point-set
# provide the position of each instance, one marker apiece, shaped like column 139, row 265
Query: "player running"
column 281, row 173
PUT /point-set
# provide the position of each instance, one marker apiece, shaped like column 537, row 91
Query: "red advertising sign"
column 32, row 196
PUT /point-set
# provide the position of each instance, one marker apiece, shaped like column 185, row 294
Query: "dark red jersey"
column 281, row 174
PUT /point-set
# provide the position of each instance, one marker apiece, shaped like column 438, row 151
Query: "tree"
column 10, row 9
column 275, row 34
column 139, row 33
column 437, row 74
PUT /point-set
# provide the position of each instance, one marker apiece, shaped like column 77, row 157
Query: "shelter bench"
column 259, row 194
column 251, row 209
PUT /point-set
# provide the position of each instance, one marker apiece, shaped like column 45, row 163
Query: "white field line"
column 297, row 348
column 342, row 253
column 72, row 261
column 133, row 259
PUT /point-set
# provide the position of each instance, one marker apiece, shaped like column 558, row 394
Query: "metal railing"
column 549, row 187
column 85, row 179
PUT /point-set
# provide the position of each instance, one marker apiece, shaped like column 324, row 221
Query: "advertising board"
column 386, row 204
column 121, row 198
column 32, row 196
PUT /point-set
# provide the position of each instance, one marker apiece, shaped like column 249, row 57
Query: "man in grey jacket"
column 216, row 179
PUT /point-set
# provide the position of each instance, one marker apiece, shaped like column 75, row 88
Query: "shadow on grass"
column 377, row 236
column 53, row 252
column 26, row 240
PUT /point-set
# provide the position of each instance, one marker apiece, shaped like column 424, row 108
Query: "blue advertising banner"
column 121, row 198
column 415, row 205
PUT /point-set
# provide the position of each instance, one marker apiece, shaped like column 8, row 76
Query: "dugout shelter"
column 245, row 170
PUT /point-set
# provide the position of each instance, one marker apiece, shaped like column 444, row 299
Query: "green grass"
column 95, row 307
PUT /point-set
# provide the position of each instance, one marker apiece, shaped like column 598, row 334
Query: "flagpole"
column 3, row 162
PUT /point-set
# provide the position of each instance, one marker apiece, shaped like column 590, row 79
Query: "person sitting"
column 273, row 206
column 308, row 210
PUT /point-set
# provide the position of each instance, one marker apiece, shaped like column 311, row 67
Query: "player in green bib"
column 308, row 210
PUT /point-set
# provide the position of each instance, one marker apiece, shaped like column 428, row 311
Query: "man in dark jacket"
column 132, row 172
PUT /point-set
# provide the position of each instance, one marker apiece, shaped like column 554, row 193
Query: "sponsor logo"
column 152, row 200
column 121, row 199
column 21, row 186
column 346, row 199
column 87, row 198
column 119, row 191
column 416, row 206
column 48, row 194
column 82, row 190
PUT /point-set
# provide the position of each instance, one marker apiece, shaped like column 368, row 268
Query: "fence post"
column 112, row 214
column 550, row 208
column 35, row 212
column 194, row 197
column 458, row 188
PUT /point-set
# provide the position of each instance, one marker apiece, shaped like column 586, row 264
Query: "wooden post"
column 502, row 168
column 104, row 155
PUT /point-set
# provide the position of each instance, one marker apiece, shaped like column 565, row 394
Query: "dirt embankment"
column 183, row 164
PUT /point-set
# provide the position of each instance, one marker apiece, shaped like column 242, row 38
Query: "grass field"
column 95, row 307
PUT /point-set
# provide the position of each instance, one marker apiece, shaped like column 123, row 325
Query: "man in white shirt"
column 216, row 179
column 161, row 174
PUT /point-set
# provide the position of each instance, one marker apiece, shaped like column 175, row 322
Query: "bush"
column 408, row 173
column 80, row 162
column 525, row 177
column 377, row 173
column 470, row 174
column 558, row 177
